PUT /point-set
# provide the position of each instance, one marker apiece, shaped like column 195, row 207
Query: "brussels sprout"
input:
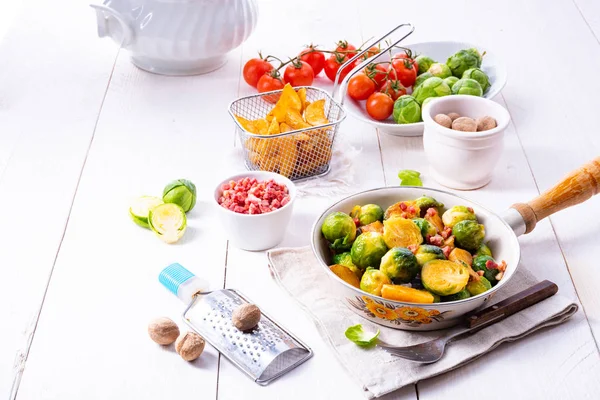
column 357, row 335
column 168, row 222
column 468, row 234
column 373, row 280
column 424, row 63
column 367, row 214
column 440, row 70
column 478, row 75
column 463, row 294
column 427, row 252
column 400, row 265
column 407, row 110
column 481, row 263
column 400, row 232
column 425, row 202
column 140, row 209
column 340, row 230
column 432, row 87
column 463, row 60
column 367, row 250
column 345, row 274
column 451, row 80
column 425, row 102
column 425, row 227
column 421, row 78
column 456, row 214
column 467, row 86
column 444, row 277
column 181, row 192
column 483, row 250
column 478, row 287
column 345, row 259
column 460, row 256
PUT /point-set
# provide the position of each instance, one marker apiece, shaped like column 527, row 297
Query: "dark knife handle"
column 512, row 305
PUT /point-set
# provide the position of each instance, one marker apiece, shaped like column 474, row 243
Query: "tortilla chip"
column 294, row 119
column 289, row 100
column 315, row 113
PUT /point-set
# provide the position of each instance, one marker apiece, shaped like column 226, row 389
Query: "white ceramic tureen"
column 177, row 37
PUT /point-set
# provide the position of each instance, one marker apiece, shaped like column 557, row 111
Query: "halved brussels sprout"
column 432, row 87
column 367, row 214
column 400, row 265
column 478, row 75
column 426, row 228
column 444, row 277
column 463, row 60
column 367, row 250
column 421, row 78
column 440, row 70
column 168, row 221
column 141, row 207
column 376, row 226
column 467, row 86
column 486, row 264
column 373, row 280
column 425, row 202
column 407, row 110
column 478, row 287
column 468, row 234
column 403, row 293
column 424, row 63
column 450, row 81
column 456, row 214
column 435, row 220
column 461, row 256
column 427, row 252
column 463, row 294
column 400, row 232
column 403, row 209
column 340, row 230
column 483, row 250
column 181, row 192
column 345, row 259
column 345, row 274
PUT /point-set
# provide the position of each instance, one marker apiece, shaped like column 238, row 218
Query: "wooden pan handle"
column 512, row 305
column 575, row 188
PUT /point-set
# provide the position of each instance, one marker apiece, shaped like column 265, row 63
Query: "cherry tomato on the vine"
column 380, row 106
column 333, row 63
column 405, row 69
column 378, row 72
column 361, row 87
column 268, row 82
column 393, row 88
column 407, row 54
column 299, row 73
column 346, row 49
column 314, row 58
column 372, row 51
column 254, row 69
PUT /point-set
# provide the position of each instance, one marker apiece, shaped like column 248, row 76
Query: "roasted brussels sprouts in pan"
column 373, row 280
column 463, row 294
column 427, row 229
column 444, row 277
column 489, row 267
column 400, row 232
column 456, row 214
column 425, row 202
column 345, row 259
column 427, row 252
column 345, row 274
column 367, row 214
column 367, row 250
column 400, row 265
column 483, row 250
column 340, row 230
column 468, row 234
column 478, row 287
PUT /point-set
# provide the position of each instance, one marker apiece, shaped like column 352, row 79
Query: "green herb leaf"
column 408, row 177
column 357, row 335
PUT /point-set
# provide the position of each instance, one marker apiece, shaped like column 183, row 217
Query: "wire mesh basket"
column 298, row 154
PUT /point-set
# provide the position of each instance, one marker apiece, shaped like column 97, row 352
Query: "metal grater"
column 264, row 354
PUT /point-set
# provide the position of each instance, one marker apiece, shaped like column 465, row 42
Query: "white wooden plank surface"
column 52, row 82
column 590, row 11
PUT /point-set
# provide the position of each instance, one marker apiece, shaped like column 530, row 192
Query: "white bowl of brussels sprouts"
column 414, row 258
column 440, row 52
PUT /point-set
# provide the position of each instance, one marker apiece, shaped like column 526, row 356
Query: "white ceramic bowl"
column 439, row 51
column 258, row 231
column 463, row 160
column 413, row 316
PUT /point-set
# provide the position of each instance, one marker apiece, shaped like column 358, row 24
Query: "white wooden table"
column 82, row 131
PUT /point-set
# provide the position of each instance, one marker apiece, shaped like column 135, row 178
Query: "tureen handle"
column 105, row 17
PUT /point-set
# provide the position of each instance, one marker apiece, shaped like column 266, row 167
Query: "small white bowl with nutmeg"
column 463, row 139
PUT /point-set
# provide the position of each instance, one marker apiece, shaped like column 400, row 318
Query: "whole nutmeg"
column 190, row 346
column 453, row 116
column 485, row 123
column 246, row 317
column 464, row 124
column 443, row 120
column 163, row 330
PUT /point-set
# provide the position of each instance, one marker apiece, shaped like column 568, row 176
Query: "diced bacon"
column 446, row 232
column 436, row 240
column 412, row 210
column 446, row 250
column 431, row 211
column 250, row 196
column 480, row 273
column 470, row 209
column 502, row 266
column 403, row 206
column 489, row 264
column 413, row 247
column 499, row 276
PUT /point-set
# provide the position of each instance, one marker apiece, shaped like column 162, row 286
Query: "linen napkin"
column 299, row 273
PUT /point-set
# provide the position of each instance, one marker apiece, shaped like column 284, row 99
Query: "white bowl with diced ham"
column 255, row 208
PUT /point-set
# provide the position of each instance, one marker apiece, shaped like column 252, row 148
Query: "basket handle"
column 341, row 87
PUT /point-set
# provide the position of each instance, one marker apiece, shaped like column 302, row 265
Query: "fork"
column 433, row 350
